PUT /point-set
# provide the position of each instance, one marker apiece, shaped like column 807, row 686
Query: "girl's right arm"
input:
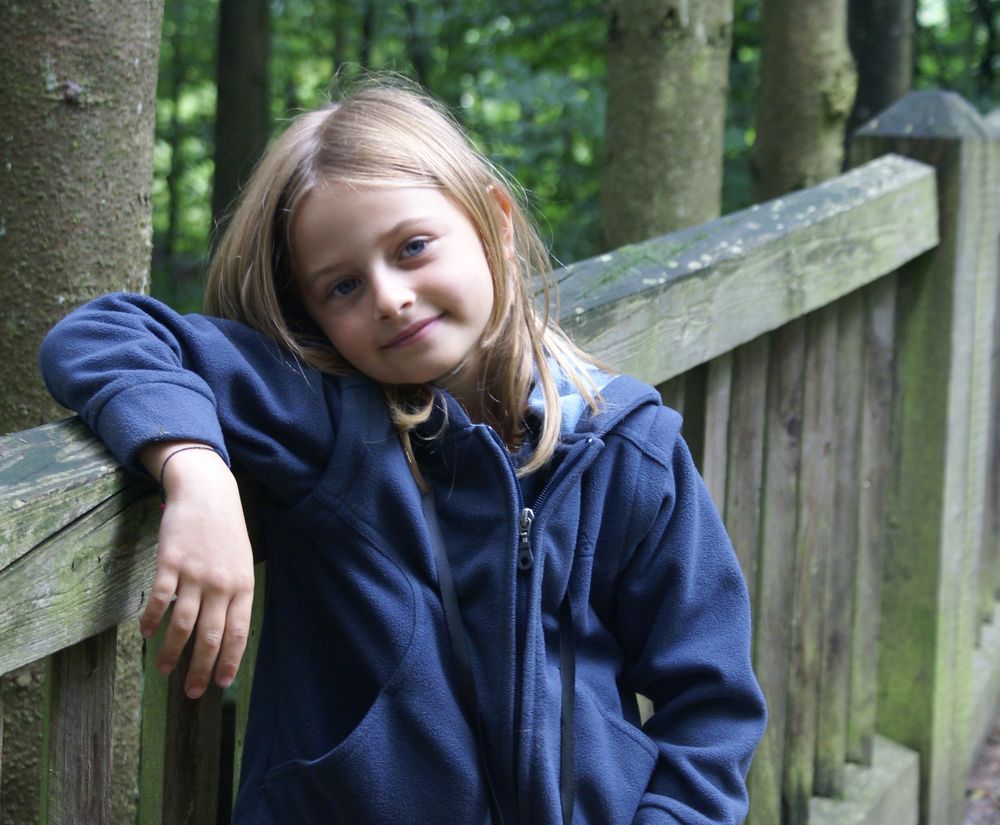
column 139, row 373
column 150, row 382
column 203, row 560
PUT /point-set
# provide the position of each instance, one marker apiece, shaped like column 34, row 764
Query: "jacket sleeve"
column 683, row 615
column 137, row 372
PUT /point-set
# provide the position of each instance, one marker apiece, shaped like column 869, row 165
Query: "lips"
column 413, row 333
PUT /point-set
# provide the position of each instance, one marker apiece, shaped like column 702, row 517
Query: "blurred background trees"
column 530, row 80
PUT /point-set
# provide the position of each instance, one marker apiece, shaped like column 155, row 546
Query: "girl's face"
column 398, row 281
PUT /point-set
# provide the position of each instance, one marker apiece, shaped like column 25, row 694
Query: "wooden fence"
column 835, row 355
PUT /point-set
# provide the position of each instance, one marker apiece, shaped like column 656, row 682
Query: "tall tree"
column 881, row 37
column 986, row 12
column 243, row 108
column 806, row 92
column 77, row 86
column 173, row 83
column 668, row 64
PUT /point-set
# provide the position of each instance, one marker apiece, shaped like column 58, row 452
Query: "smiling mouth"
column 413, row 333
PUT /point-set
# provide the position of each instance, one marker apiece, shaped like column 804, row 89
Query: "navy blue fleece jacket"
column 356, row 712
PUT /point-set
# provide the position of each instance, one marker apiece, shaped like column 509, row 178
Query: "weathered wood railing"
column 834, row 353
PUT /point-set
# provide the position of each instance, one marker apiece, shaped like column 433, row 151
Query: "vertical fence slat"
column 746, row 451
column 672, row 393
column 812, row 549
column 175, row 787
column 745, row 397
column 244, row 680
column 153, row 734
column 874, row 475
column 838, row 601
column 79, row 697
column 191, row 786
column 717, row 400
column 776, row 573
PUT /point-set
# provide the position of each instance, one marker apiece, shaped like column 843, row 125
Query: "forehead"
column 337, row 219
column 365, row 211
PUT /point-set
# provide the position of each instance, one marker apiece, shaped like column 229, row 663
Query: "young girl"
column 480, row 545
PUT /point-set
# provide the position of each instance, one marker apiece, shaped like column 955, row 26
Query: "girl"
column 480, row 545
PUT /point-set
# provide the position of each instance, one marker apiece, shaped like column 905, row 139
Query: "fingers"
column 219, row 622
column 234, row 642
column 208, row 641
column 160, row 597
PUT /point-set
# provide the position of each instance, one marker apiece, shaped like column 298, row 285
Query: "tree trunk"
column 806, row 93
column 668, row 63
column 77, row 97
column 416, row 43
column 986, row 11
column 880, row 33
column 341, row 35
column 369, row 19
column 173, row 176
column 243, row 107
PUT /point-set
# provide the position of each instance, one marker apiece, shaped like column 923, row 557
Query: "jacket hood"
column 620, row 396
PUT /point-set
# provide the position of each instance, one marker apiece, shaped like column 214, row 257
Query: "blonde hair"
column 388, row 134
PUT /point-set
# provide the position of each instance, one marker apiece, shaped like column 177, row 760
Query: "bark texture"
column 806, row 94
column 243, row 107
column 880, row 33
column 77, row 96
column 668, row 64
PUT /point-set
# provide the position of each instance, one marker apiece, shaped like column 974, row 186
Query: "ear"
column 506, row 221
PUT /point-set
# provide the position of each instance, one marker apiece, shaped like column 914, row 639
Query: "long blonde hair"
column 390, row 134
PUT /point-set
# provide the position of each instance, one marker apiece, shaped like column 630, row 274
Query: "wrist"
column 173, row 463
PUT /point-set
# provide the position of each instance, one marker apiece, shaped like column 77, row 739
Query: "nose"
column 392, row 292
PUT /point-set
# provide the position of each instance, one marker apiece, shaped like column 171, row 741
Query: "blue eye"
column 414, row 247
column 344, row 287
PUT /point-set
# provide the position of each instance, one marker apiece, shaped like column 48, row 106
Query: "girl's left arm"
column 683, row 615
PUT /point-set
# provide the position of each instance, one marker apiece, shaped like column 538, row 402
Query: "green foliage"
column 957, row 48
column 744, row 69
column 527, row 79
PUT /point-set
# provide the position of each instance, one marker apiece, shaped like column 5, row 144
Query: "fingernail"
column 225, row 682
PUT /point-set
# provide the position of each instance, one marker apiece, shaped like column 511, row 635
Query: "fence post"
column 945, row 317
column 990, row 584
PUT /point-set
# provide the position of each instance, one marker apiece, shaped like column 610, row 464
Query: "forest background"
column 528, row 78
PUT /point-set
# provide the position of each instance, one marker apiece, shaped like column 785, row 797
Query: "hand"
column 204, row 558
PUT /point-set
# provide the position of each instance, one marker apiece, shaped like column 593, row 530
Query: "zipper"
column 525, row 557
column 525, row 562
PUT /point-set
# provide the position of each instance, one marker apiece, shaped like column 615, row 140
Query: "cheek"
column 342, row 334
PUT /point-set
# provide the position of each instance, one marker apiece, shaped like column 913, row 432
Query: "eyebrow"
column 399, row 228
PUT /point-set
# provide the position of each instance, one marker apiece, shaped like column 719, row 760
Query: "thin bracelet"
column 163, row 466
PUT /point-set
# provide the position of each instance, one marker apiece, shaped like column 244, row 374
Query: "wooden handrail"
column 658, row 308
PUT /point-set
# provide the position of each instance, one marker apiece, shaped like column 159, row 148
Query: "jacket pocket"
column 614, row 761
column 412, row 758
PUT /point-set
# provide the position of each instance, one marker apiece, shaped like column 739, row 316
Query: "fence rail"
column 835, row 355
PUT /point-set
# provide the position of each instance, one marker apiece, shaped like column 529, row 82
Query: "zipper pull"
column 525, row 558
